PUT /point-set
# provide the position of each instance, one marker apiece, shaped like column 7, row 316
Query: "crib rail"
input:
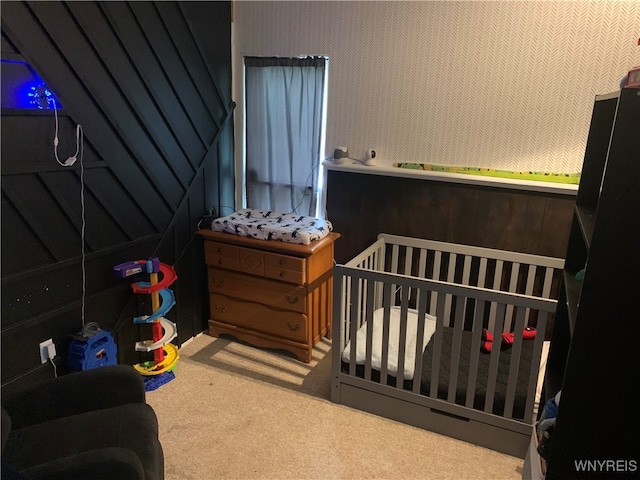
column 514, row 272
column 372, row 258
column 360, row 292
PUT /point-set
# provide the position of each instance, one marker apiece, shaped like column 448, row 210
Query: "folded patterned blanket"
column 268, row 225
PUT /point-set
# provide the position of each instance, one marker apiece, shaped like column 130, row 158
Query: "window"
column 285, row 113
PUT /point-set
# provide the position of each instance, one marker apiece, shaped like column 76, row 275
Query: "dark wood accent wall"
column 150, row 83
column 360, row 206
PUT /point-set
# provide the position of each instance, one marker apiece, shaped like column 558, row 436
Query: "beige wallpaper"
column 499, row 84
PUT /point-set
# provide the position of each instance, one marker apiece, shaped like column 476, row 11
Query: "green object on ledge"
column 572, row 178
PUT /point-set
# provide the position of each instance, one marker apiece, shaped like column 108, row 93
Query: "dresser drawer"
column 221, row 255
column 251, row 261
column 284, row 268
column 254, row 316
column 280, row 295
column 276, row 260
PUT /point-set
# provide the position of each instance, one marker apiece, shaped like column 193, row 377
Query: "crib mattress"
column 504, row 364
column 524, row 370
column 268, row 225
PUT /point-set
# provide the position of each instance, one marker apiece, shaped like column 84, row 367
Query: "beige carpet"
column 238, row 412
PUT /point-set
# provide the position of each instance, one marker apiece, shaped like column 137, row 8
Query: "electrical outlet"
column 47, row 350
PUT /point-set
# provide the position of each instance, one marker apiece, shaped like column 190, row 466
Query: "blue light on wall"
column 41, row 97
column 23, row 88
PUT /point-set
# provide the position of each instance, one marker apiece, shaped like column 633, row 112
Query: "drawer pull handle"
column 221, row 309
column 282, row 274
column 219, row 284
column 293, row 328
column 281, row 262
column 219, row 249
column 291, row 299
column 219, row 261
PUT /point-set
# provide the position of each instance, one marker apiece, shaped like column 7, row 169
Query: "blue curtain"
column 283, row 104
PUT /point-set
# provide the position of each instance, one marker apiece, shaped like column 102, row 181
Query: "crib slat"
column 528, row 290
column 437, row 346
column 378, row 262
column 354, row 315
column 452, row 268
column 371, row 290
column 513, row 285
column 478, row 318
column 386, row 295
column 497, row 280
column 422, row 268
column 497, row 277
column 408, row 259
column 450, row 278
column 548, row 279
column 422, row 263
column 535, row 364
column 422, row 310
column 493, row 362
column 514, row 363
column 437, row 258
column 362, row 299
column 381, row 256
column 345, row 307
column 394, row 258
column 402, row 337
column 466, row 269
column 395, row 265
column 531, row 280
column 437, row 263
column 455, row 352
column 515, row 272
column 466, row 277
column 482, row 272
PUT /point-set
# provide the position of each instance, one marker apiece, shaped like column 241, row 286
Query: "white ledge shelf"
column 481, row 180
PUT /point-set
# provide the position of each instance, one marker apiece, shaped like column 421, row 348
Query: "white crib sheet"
column 394, row 335
column 268, row 225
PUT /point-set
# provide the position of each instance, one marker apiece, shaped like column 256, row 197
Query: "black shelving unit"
column 594, row 356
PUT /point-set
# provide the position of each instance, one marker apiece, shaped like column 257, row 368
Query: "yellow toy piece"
column 171, row 356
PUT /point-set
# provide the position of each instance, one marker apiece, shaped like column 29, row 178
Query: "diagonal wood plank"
column 26, row 33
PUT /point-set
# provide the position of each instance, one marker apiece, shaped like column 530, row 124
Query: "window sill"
column 508, row 183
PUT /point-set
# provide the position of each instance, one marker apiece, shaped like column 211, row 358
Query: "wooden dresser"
column 269, row 293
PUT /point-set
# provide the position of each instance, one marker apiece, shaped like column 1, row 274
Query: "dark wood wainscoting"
column 360, row 206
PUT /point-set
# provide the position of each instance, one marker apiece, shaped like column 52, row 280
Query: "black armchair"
column 93, row 424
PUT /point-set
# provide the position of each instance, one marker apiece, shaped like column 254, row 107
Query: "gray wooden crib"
column 417, row 337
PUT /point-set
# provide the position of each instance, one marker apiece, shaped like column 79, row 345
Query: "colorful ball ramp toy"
column 165, row 355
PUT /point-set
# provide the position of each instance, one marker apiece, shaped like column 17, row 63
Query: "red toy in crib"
column 507, row 339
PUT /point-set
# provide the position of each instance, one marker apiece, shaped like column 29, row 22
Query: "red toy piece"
column 507, row 339
column 168, row 277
